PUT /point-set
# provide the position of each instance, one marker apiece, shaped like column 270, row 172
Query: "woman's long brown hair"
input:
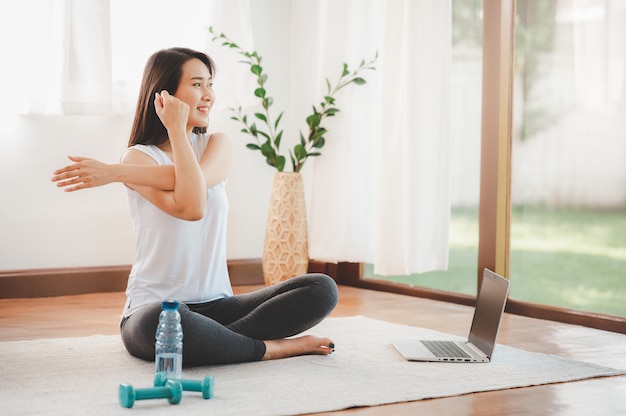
column 162, row 72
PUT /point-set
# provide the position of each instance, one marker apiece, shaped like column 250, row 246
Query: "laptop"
column 480, row 344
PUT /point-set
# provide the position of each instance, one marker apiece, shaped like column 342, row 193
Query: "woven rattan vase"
column 285, row 251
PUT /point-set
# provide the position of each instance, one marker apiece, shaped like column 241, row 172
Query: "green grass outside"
column 569, row 258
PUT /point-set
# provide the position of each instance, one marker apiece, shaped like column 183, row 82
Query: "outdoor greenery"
column 568, row 258
column 268, row 138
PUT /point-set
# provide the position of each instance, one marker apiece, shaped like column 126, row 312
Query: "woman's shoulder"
column 144, row 148
column 200, row 141
column 206, row 137
column 140, row 154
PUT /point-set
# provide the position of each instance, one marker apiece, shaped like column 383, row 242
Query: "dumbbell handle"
column 153, row 393
column 172, row 391
column 205, row 385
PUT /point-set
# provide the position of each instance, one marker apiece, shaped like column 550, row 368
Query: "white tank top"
column 174, row 258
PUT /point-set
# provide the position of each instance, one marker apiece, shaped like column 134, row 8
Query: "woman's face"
column 196, row 90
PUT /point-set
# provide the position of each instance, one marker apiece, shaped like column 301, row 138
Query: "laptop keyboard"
column 445, row 349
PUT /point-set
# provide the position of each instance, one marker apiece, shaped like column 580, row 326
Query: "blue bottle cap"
column 170, row 304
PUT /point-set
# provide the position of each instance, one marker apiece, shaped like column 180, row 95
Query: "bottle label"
column 170, row 363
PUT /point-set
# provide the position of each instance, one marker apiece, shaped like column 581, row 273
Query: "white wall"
column 42, row 226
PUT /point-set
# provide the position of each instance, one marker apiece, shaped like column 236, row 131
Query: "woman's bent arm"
column 188, row 198
column 216, row 159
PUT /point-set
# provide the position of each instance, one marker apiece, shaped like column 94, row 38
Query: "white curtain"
column 32, row 35
column 381, row 189
column 87, row 79
column 62, row 52
column 86, row 57
column 234, row 81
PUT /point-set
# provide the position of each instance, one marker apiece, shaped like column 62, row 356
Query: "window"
column 568, row 235
column 568, row 213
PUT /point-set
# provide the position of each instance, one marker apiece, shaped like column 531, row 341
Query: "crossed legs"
column 248, row 327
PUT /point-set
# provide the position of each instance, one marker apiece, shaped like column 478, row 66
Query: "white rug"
column 81, row 375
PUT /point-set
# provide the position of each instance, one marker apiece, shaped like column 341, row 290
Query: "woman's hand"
column 84, row 173
column 173, row 112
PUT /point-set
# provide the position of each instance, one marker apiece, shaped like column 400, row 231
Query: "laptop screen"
column 489, row 308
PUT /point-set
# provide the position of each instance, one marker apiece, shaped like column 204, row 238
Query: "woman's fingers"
column 70, row 179
column 85, row 173
column 158, row 102
column 73, row 166
column 63, row 176
column 75, row 188
column 78, row 158
column 172, row 111
column 64, row 173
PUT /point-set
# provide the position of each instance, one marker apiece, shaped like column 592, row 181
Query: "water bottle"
column 169, row 341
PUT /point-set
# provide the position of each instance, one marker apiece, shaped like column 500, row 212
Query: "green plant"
column 268, row 136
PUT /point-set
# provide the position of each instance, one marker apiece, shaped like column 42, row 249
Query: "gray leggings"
column 232, row 329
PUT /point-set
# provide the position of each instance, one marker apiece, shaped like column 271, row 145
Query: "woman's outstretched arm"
column 89, row 173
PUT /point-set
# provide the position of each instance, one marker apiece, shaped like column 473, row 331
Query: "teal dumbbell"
column 205, row 386
column 171, row 390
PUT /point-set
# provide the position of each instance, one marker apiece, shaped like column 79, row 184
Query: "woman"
column 175, row 176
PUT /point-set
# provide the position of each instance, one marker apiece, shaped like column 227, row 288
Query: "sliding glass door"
column 560, row 235
column 568, row 233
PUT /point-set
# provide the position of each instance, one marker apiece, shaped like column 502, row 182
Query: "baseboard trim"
column 41, row 283
column 37, row 283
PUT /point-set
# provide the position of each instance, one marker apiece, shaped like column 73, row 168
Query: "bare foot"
column 304, row 345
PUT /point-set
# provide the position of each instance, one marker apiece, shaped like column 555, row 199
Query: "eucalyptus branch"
column 268, row 138
column 315, row 139
column 270, row 144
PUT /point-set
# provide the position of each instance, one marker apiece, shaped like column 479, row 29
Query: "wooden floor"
column 98, row 313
